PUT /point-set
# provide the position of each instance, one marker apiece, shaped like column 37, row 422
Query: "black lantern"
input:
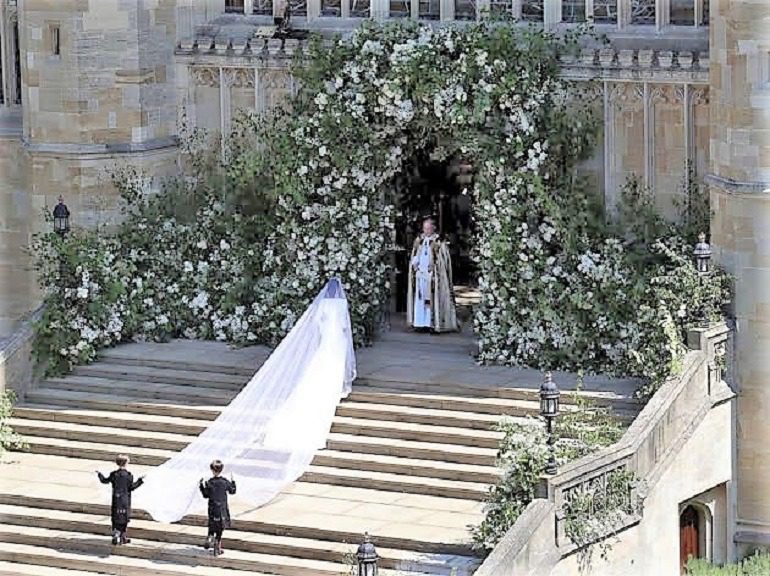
column 61, row 218
column 549, row 409
column 702, row 254
column 367, row 558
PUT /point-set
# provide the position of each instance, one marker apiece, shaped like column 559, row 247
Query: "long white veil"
column 267, row 436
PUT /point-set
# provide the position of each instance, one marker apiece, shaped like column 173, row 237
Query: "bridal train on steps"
column 267, row 436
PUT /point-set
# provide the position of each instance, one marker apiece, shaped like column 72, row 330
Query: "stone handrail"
column 645, row 450
column 17, row 370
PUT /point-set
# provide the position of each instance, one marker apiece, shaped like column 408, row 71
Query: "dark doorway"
column 441, row 189
column 689, row 537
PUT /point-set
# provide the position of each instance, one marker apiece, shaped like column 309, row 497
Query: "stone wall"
column 740, row 166
column 17, row 286
column 703, row 464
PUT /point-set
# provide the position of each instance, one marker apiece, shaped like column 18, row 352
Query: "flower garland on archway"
column 558, row 289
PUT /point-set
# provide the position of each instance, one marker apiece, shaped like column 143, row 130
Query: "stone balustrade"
column 666, row 66
column 646, row 449
column 17, row 369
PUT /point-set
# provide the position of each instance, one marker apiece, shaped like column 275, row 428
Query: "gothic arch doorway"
column 441, row 189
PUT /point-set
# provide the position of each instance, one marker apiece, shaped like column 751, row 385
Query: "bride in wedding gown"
column 267, row 436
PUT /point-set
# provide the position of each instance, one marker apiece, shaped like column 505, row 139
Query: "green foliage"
column 9, row 440
column 235, row 248
column 757, row 564
column 523, row 455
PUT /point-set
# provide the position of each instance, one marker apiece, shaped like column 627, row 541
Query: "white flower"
column 188, row 267
column 202, row 244
column 223, row 244
column 82, row 293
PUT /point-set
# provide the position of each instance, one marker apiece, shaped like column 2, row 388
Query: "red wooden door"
column 688, row 536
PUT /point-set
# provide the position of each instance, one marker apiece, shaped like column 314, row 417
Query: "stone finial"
column 626, row 58
column 685, row 59
column 258, row 46
column 274, row 46
column 221, row 45
column 290, row 46
column 645, row 58
column 606, row 57
column 588, row 56
column 665, row 59
column 188, row 44
column 703, row 60
column 239, row 45
column 205, row 43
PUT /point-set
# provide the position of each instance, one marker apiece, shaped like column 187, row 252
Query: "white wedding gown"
column 267, row 436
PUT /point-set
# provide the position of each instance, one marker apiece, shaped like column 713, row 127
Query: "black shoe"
column 115, row 538
column 209, row 542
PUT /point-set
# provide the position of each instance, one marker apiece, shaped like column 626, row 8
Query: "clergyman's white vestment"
column 422, row 293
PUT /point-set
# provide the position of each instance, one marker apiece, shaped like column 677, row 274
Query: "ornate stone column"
column 740, row 196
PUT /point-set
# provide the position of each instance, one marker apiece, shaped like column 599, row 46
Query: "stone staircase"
column 409, row 459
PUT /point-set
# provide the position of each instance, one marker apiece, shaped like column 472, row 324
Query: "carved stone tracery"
column 205, row 76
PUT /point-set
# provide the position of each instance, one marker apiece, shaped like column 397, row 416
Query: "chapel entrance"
column 689, row 536
column 441, row 189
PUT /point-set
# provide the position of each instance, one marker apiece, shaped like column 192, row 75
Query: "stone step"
column 125, row 356
column 412, row 449
column 419, row 432
column 414, row 415
column 244, row 541
column 314, row 532
column 404, row 475
column 163, row 374
column 509, row 392
column 494, row 406
column 217, row 397
column 411, row 466
column 233, row 378
column 127, row 420
column 142, row 390
column 109, row 402
column 397, row 483
column 341, row 425
column 26, row 560
column 104, row 431
column 399, row 457
column 183, row 409
column 181, row 554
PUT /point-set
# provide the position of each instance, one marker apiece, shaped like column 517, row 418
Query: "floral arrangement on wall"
column 234, row 249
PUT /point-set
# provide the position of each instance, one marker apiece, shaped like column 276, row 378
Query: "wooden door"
column 688, row 536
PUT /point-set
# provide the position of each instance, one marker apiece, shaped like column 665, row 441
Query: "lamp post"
column 61, row 218
column 367, row 557
column 702, row 256
column 549, row 409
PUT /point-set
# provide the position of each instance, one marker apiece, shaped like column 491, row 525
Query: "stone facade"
column 105, row 84
column 740, row 192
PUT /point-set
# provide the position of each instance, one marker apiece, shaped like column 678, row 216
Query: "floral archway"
column 488, row 95
column 306, row 193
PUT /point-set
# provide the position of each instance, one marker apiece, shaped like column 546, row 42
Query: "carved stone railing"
column 646, row 449
column 608, row 63
column 17, row 368
column 656, row 434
